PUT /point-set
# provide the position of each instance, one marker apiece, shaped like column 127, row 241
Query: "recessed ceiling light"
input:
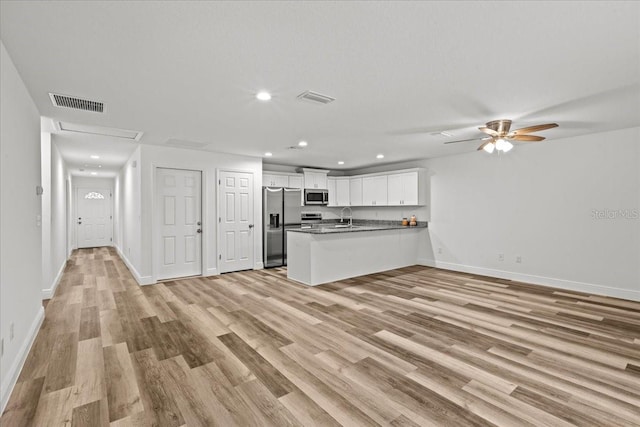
column 268, row 154
column 99, row 166
column 380, row 156
column 341, row 162
column 263, row 96
column 302, row 143
column 94, row 173
column 93, row 156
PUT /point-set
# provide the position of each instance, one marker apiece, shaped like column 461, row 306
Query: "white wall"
column 54, row 215
column 127, row 201
column 209, row 163
column 537, row 202
column 21, row 244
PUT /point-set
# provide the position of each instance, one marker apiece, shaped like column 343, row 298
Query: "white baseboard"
column 48, row 293
column 9, row 381
column 537, row 280
column 211, row 272
column 142, row 280
column 259, row 265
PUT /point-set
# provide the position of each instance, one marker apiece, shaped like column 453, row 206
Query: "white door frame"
column 155, row 228
column 255, row 230
column 76, row 200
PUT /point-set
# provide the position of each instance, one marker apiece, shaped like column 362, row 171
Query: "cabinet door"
column 355, row 191
column 268, row 180
column 321, row 180
column 368, row 192
column 374, row 191
column 331, row 187
column 410, row 188
column 380, row 190
column 281, row 180
column 342, row 192
column 395, row 184
column 295, row 181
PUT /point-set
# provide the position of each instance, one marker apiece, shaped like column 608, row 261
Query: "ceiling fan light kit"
column 500, row 134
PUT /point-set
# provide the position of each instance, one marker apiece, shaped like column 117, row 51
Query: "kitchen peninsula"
column 336, row 251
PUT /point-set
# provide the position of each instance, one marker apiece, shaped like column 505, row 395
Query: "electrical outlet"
column 519, row 259
column 2, row 347
column 500, row 257
column 11, row 332
column 440, row 250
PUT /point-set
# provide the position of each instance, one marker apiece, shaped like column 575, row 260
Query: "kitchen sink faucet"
column 350, row 215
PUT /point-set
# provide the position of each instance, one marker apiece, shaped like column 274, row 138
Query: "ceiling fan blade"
column 527, row 138
column 488, row 131
column 484, row 144
column 536, row 128
column 465, row 140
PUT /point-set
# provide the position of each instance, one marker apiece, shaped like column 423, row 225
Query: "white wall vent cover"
column 98, row 130
column 186, row 144
column 315, row 97
column 76, row 103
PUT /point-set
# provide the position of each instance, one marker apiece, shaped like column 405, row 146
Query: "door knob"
column 250, row 225
column 199, row 223
column 199, row 230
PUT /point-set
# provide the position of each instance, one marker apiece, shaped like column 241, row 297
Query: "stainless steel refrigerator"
column 281, row 209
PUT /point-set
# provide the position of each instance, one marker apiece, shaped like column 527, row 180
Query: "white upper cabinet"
column 315, row 178
column 331, row 186
column 338, row 191
column 355, row 191
column 374, row 190
column 403, row 189
column 342, row 192
column 274, row 180
column 296, row 181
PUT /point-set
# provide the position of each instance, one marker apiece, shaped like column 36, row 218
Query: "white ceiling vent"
column 98, row 130
column 180, row 143
column 315, row 97
column 76, row 103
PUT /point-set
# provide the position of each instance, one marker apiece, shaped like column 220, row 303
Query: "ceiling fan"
column 500, row 134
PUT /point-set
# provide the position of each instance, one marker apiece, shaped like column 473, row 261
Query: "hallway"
column 415, row 346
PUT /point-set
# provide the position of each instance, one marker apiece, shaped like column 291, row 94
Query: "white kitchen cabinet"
column 296, row 181
column 275, row 180
column 342, row 192
column 315, row 179
column 331, row 187
column 374, row 190
column 338, row 191
column 355, row 191
column 402, row 189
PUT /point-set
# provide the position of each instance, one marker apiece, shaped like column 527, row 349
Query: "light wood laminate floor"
column 414, row 346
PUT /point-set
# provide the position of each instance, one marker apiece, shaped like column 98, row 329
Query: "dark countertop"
column 331, row 227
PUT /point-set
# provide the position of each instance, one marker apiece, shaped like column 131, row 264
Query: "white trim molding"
column 142, row 280
column 551, row 282
column 49, row 292
column 9, row 382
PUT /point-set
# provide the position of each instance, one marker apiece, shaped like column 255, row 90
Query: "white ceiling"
column 188, row 71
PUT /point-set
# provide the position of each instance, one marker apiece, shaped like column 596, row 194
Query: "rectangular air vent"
column 76, row 103
column 315, row 97
column 99, row 130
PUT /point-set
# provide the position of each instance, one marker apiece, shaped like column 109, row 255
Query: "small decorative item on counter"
column 413, row 221
column 405, row 222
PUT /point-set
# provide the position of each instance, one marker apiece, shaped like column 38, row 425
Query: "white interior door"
column 179, row 223
column 94, row 217
column 236, row 221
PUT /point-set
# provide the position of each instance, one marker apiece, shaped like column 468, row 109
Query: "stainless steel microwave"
column 316, row 197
